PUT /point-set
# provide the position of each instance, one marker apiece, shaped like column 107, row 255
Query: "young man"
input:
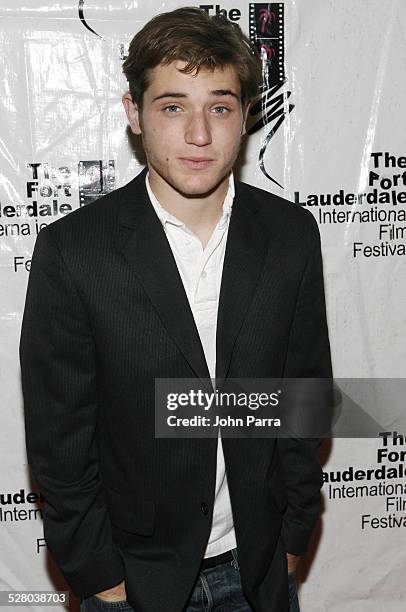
column 182, row 273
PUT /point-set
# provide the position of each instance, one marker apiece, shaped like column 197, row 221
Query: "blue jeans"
column 216, row 588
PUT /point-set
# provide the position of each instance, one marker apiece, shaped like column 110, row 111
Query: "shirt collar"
column 166, row 217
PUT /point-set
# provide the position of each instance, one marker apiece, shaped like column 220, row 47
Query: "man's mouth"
column 196, row 162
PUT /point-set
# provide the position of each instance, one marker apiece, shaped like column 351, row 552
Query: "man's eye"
column 172, row 108
column 221, row 110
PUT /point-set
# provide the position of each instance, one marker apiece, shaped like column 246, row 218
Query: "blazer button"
column 204, row 508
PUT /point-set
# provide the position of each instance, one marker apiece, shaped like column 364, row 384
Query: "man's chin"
column 196, row 188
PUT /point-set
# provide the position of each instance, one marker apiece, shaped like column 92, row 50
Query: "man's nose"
column 198, row 130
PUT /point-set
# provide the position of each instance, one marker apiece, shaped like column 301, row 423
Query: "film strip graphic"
column 266, row 28
column 95, row 179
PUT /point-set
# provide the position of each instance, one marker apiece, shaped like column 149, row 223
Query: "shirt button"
column 204, row 274
column 204, row 508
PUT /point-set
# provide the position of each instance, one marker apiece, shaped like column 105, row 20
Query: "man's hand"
column 116, row 593
column 293, row 561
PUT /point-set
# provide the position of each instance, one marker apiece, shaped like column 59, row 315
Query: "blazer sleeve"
column 308, row 356
column 58, row 373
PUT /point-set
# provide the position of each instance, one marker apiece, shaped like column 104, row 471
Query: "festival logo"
column 267, row 33
column 95, row 179
column 266, row 30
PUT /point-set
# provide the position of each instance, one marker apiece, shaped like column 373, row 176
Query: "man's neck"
column 199, row 214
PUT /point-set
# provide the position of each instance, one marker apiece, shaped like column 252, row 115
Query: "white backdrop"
column 333, row 140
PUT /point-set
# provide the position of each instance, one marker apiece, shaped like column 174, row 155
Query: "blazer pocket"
column 131, row 515
column 278, row 489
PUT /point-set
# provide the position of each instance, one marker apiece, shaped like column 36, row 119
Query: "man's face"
column 191, row 126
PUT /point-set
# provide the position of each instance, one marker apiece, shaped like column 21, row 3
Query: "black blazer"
column 106, row 313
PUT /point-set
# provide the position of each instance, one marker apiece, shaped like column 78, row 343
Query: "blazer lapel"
column 247, row 246
column 148, row 252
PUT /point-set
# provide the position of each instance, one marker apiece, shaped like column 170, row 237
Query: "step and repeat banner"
column 328, row 134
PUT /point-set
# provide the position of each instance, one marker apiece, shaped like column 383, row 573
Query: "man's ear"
column 245, row 117
column 132, row 112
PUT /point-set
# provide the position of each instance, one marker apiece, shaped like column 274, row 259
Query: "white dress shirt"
column 200, row 270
